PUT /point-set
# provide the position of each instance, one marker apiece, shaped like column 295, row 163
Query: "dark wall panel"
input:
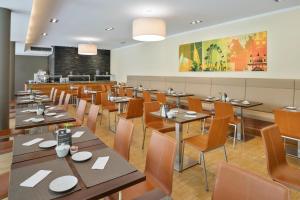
column 66, row 60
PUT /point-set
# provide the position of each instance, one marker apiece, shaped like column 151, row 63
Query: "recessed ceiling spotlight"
column 196, row 22
column 109, row 28
column 54, row 20
column 277, row 1
column 44, row 34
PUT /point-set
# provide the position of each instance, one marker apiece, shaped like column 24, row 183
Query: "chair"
column 129, row 92
column 195, row 104
column 154, row 122
column 103, row 88
column 222, row 110
column 61, row 98
column 51, row 93
column 288, row 123
column 147, row 96
column 4, row 182
column 158, row 169
column 54, row 96
column 109, row 106
column 162, row 98
column 134, row 110
column 79, row 115
column 66, row 102
column 235, row 184
column 123, row 137
column 92, row 117
column 215, row 138
column 278, row 168
column 121, row 92
column 98, row 98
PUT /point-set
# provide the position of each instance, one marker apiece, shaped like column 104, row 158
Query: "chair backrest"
column 67, row 100
column 54, row 96
column 51, row 93
column 218, row 133
column 104, row 100
column 288, row 122
column 61, row 98
column 121, row 92
column 195, row 104
column 92, row 117
column 98, row 98
column 129, row 92
column 274, row 147
column 160, row 161
column 103, row 88
column 151, row 107
column 135, row 108
column 123, row 137
column 223, row 109
column 147, row 96
column 161, row 97
column 234, row 183
column 80, row 111
column 108, row 87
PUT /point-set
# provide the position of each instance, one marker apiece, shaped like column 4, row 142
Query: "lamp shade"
column 87, row 49
column 148, row 29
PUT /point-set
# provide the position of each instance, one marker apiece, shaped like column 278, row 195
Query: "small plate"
column 68, row 130
column 82, row 156
column 191, row 112
column 291, row 108
column 235, row 100
column 36, row 120
column 63, row 183
column 50, row 114
column 48, row 144
column 246, row 102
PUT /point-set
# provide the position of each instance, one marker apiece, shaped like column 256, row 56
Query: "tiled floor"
column 190, row 183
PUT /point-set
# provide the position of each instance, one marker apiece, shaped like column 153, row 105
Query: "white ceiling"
column 86, row 20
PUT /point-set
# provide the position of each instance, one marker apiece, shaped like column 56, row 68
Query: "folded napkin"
column 24, row 111
column 51, row 108
column 58, row 116
column 190, row 116
column 31, row 142
column 28, row 120
column 35, row 178
column 77, row 134
column 100, row 162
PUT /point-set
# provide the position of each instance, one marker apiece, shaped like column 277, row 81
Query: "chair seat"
column 4, row 182
column 287, row 175
column 161, row 127
column 6, row 146
column 110, row 108
column 199, row 142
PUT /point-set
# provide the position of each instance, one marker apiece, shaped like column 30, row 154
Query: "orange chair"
column 288, row 123
column 278, row 168
column 158, row 170
column 235, row 184
column 129, row 92
column 66, row 102
column 134, row 110
column 98, row 98
column 216, row 138
column 103, row 88
column 147, row 96
column 162, row 98
column 154, row 122
column 195, row 104
column 92, row 118
column 109, row 106
column 121, row 92
column 123, row 137
column 51, row 93
column 61, row 98
column 79, row 115
column 222, row 110
column 4, row 182
column 54, row 96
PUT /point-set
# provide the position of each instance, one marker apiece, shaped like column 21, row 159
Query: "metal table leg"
column 178, row 101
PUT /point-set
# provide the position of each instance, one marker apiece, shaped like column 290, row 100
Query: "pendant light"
column 148, row 29
column 87, row 49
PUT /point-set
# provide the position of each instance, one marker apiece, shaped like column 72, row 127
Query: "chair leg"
column 188, row 128
column 234, row 135
column 143, row 123
column 144, row 137
column 115, row 121
column 204, row 170
column 225, row 153
column 109, row 119
column 203, row 126
column 101, row 117
column 182, row 154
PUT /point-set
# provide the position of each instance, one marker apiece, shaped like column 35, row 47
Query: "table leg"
column 178, row 102
column 93, row 98
column 180, row 165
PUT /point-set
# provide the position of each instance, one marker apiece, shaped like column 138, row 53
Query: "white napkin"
column 51, row 108
column 28, row 120
column 58, row 116
column 35, row 178
column 24, row 111
column 100, row 162
column 77, row 134
column 31, row 142
column 190, row 116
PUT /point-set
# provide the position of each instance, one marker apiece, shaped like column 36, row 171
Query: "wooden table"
column 136, row 91
column 120, row 101
column 28, row 101
column 25, row 93
column 179, row 120
column 93, row 192
column 178, row 96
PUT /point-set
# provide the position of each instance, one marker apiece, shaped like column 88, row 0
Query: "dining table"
column 181, row 117
column 92, row 183
column 28, row 92
column 120, row 101
column 141, row 90
column 178, row 96
column 28, row 100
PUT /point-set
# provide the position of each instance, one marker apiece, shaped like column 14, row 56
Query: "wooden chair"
column 54, row 96
column 158, row 169
column 222, row 110
column 121, row 92
column 215, row 138
column 129, row 92
column 4, row 182
column 66, row 102
column 154, row 122
column 147, row 96
column 162, row 99
column 123, row 137
column 245, row 185
column 134, row 110
column 288, row 123
column 278, row 168
column 195, row 104
column 109, row 106
column 51, row 93
column 61, row 98
column 103, row 88
column 92, row 117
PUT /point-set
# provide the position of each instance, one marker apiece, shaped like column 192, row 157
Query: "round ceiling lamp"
column 87, row 49
column 148, row 29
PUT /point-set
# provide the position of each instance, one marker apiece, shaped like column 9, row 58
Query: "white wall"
column 161, row 58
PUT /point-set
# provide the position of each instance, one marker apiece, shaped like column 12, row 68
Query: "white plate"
column 235, row 100
column 36, row 120
column 63, row 183
column 82, row 156
column 191, row 112
column 291, row 108
column 50, row 114
column 68, row 130
column 246, row 102
column 48, row 144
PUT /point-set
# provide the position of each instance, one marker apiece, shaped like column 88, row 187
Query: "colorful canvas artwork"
column 237, row 53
